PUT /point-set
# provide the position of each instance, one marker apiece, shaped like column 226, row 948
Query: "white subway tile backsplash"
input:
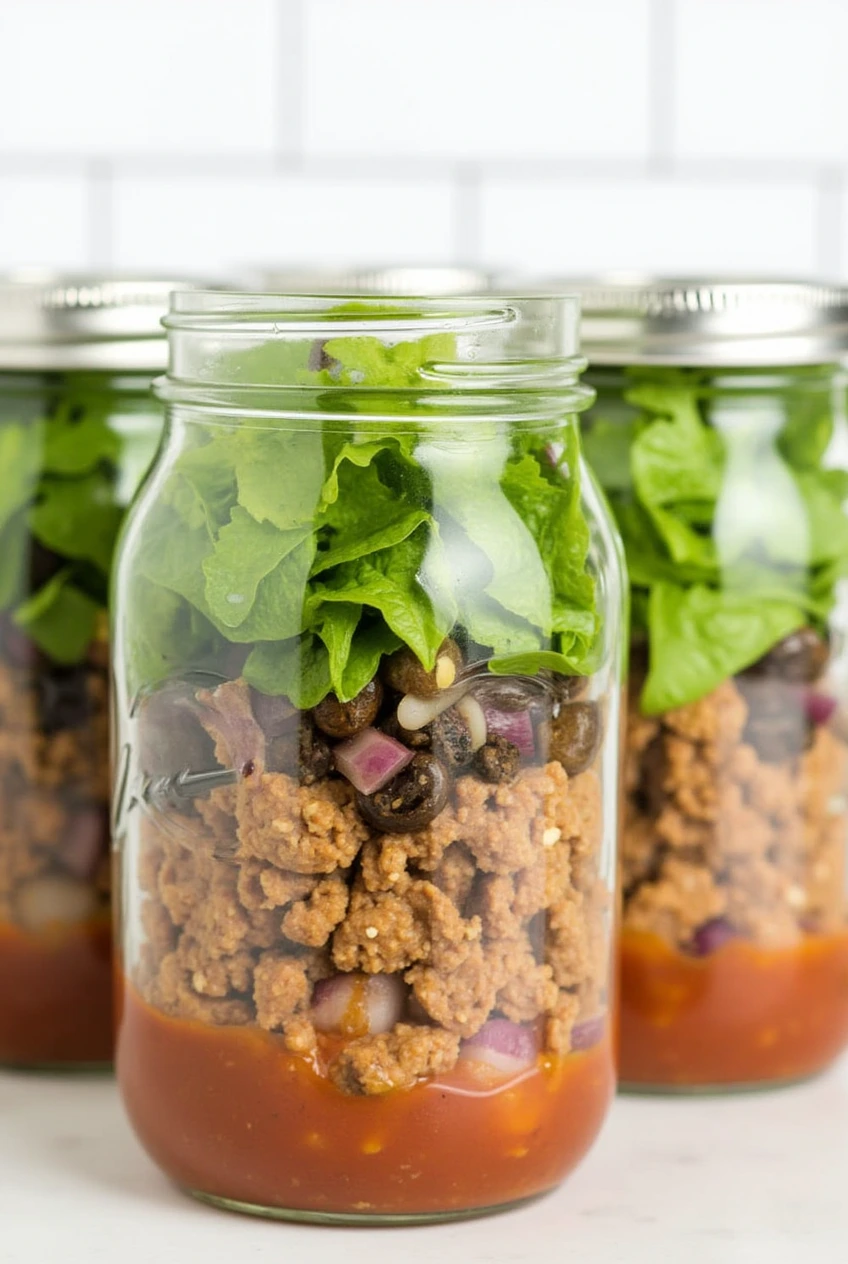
column 43, row 221
column 207, row 222
column 96, row 77
column 549, row 134
column 762, row 79
column 477, row 78
column 664, row 225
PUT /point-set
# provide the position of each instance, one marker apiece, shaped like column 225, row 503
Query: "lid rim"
column 711, row 322
column 99, row 322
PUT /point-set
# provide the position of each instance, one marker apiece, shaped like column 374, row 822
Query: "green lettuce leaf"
column 700, row 636
column 59, row 618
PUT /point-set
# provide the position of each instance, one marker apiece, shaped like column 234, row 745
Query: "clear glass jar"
column 722, row 448
column 78, row 429
column 368, row 632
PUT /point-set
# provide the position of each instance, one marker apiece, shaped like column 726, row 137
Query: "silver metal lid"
column 66, row 322
column 635, row 319
column 411, row 281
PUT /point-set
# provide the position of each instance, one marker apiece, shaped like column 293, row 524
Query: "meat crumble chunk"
column 308, row 829
column 397, row 1059
column 461, row 999
column 282, row 990
column 488, row 911
column 313, row 920
column 262, row 886
column 381, row 934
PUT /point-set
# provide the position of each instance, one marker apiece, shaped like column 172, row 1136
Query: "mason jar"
column 719, row 436
column 367, row 634
column 78, row 428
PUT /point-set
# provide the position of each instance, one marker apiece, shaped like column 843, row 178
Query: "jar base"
column 735, row 1088
column 362, row 1219
column 57, row 1068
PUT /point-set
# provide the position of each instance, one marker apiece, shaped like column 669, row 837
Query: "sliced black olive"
column 403, row 672
column 799, row 658
column 498, row 760
column 508, row 694
column 64, row 698
column 452, row 740
column 344, row 719
column 415, row 739
column 777, row 725
column 575, row 736
column 411, row 800
column 306, row 756
column 569, row 688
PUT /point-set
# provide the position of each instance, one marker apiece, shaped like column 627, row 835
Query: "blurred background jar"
column 368, row 640
column 719, row 437
column 78, row 429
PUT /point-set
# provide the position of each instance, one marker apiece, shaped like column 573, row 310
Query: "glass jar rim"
column 526, row 344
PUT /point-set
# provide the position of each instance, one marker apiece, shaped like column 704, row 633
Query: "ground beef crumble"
column 715, row 829
column 259, row 892
column 54, row 790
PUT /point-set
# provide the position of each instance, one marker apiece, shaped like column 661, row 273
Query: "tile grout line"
column 829, row 219
column 751, row 171
column 662, row 86
column 289, row 81
column 99, row 213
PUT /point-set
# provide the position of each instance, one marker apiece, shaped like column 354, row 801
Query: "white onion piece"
column 505, row 1046
column 475, row 717
column 515, row 726
column 414, row 713
column 53, row 899
column 358, row 1004
column 371, row 759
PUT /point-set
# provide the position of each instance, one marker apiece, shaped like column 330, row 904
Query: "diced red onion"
column 85, row 841
column 371, row 759
column 475, row 717
column 819, row 707
column 515, row 726
column 503, row 1045
column 227, row 715
column 588, row 1033
column 713, row 935
column 358, row 1004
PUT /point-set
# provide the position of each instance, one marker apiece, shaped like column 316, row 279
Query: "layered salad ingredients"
column 369, row 705
column 735, row 951
column 69, row 464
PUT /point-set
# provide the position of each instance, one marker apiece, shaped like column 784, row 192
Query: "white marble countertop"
column 753, row 1179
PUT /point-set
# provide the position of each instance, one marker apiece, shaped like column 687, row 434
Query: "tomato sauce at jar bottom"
column 745, row 1015
column 56, row 996
column 229, row 1114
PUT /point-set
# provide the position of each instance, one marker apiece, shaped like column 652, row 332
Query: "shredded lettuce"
column 67, row 472
column 734, row 528
column 321, row 548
